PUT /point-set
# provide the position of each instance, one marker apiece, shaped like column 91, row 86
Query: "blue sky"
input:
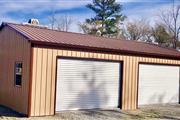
column 19, row 11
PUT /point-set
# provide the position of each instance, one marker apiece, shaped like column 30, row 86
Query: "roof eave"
column 115, row 51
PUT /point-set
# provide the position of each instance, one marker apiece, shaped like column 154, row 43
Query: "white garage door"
column 158, row 84
column 83, row 84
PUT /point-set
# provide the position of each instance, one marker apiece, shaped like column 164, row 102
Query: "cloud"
column 146, row 1
column 131, row 1
column 41, row 5
column 148, row 11
column 21, row 11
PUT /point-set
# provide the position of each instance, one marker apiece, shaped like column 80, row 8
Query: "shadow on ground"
column 7, row 112
column 153, row 112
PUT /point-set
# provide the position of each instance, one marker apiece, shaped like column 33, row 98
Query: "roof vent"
column 33, row 21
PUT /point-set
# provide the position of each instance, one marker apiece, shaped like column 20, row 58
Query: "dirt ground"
column 153, row 112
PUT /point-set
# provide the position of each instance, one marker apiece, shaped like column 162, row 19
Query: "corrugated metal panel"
column 158, row 84
column 14, row 47
column 84, row 84
column 47, row 36
column 129, row 95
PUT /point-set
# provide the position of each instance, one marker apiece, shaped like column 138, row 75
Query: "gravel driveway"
column 155, row 112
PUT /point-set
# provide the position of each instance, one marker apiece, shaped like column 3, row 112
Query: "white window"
column 18, row 73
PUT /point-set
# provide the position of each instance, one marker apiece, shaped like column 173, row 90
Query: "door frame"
column 148, row 63
column 93, row 59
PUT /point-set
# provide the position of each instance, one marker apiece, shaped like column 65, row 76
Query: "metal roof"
column 38, row 35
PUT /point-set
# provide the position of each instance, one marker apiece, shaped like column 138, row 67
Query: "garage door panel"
column 158, row 97
column 158, row 84
column 83, row 84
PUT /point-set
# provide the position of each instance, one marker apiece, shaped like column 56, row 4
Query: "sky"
column 20, row 11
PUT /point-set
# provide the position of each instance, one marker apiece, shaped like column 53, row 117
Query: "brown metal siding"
column 14, row 47
column 44, row 76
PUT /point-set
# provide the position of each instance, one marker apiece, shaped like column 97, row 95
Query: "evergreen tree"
column 161, row 36
column 107, row 19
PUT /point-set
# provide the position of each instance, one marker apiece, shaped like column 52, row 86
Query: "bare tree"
column 171, row 19
column 64, row 23
column 160, row 35
column 60, row 22
column 139, row 30
column 52, row 19
column 90, row 28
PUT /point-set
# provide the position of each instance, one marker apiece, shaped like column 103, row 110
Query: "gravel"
column 151, row 112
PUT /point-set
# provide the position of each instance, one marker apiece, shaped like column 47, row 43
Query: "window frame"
column 18, row 62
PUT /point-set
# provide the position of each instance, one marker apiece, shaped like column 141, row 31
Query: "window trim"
column 16, row 62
